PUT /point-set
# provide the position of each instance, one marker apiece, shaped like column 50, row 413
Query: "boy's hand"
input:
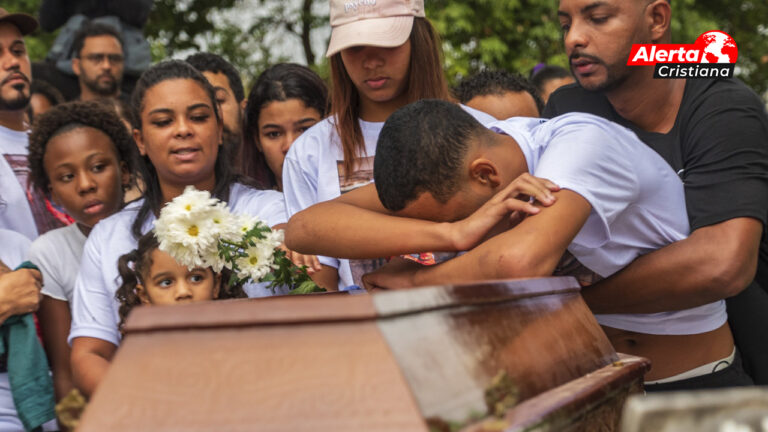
column 20, row 291
column 514, row 202
column 310, row 261
column 396, row 274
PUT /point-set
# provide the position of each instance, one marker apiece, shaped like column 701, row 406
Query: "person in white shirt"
column 382, row 55
column 179, row 135
column 454, row 185
column 22, row 209
column 82, row 154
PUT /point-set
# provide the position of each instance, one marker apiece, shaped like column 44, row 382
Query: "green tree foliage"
column 517, row 34
column 509, row 34
column 39, row 42
column 183, row 26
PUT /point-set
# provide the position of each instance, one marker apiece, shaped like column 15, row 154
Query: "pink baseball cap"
column 382, row 23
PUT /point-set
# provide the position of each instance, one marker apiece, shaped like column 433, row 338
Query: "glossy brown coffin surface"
column 346, row 362
column 590, row 403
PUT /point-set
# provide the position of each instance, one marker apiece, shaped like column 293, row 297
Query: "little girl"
column 151, row 276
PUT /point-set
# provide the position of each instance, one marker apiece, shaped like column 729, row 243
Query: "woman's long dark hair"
column 135, row 265
column 278, row 83
column 153, row 197
column 425, row 81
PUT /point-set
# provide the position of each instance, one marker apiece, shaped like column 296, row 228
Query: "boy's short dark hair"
column 91, row 29
column 421, row 148
column 496, row 82
column 72, row 115
column 548, row 73
column 209, row 62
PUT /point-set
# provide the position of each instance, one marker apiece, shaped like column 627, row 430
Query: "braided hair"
column 134, row 268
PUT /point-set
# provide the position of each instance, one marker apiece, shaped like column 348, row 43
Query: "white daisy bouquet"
column 200, row 231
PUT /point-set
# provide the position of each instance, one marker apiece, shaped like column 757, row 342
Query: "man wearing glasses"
column 98, row 62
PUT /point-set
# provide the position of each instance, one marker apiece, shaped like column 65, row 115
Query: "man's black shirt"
column 719, row 148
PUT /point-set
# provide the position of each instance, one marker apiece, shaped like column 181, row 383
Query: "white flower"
column 194, row 228
column 224, row 223
column 192, row 203
column 277, row 237
column 189, row 241
column 258, row 263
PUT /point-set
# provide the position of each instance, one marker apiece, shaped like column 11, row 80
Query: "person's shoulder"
column 242, row 191
column 484, row 118
column 54, row 237
column 583, row 118
column 313, row 139
column 573, row 98
column 568, row 91
column 506, row 126
column 721, row 93
column 244, row 196
column 119, row 221
column 583, row 129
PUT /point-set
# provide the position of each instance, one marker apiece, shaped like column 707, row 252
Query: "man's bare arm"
column 713, row 263
column 356, row 225
column 533, row 248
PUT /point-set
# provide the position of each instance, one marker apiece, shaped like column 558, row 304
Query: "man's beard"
column 615, row 75
column 18, row 102
column 109, row 89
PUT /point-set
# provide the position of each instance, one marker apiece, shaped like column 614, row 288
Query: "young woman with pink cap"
column 384, row 54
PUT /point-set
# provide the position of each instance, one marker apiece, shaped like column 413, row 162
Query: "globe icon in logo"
column 717, row 47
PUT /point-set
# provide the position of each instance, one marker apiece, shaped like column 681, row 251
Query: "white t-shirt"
column 15, row 213
column 638, row 204
column 94, row 306
column 14, row 248
column 58, row 253
column 313, row 172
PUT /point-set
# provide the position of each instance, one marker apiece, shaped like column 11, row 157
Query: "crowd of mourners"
column 653, row 193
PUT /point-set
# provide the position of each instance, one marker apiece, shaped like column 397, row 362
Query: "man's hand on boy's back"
column 504, row 211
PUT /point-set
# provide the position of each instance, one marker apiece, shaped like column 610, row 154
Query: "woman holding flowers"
column 179, row 135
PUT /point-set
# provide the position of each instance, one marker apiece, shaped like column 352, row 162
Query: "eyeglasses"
column 99, row 58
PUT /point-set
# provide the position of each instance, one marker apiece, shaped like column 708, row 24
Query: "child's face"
column 280, row 123
column 180, row 133
column 86, row 176
column 169, row 282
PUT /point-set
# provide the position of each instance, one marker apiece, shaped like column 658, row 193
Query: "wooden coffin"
column 437, row 358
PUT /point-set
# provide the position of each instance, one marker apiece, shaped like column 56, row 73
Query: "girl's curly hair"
column 135, row 265
column 73, row 115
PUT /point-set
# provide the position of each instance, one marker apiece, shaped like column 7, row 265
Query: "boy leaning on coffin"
column 443, row 182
